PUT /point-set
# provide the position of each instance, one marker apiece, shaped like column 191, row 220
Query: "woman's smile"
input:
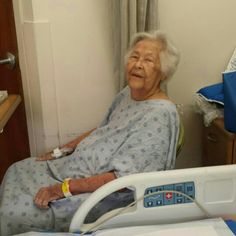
column 137, row 75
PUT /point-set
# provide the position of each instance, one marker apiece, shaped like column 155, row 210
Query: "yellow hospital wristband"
column 66, row 188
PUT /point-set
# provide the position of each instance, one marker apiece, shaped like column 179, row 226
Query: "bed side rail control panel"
column 165, row 194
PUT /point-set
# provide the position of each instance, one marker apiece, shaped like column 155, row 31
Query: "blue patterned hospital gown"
column 134, row 137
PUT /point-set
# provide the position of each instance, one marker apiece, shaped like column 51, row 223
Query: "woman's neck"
column 142, row 96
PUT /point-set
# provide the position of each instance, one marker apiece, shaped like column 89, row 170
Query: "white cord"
column 141, row 198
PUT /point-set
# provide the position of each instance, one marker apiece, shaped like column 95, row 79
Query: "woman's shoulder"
column 161, row 109
column 125, row 92
column 161, row 105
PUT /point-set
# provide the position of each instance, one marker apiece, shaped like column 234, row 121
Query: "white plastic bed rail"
column 215, row 190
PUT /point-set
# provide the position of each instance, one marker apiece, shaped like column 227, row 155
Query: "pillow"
column 213, row 93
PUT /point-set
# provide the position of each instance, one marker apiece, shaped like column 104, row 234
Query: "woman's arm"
column 72, row 144
column 90, row 184
column 76, row 141
column 76, row 186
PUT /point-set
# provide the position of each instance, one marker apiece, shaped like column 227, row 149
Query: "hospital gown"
column 134, row 137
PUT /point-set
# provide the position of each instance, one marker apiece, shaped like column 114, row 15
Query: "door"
column 14, row 143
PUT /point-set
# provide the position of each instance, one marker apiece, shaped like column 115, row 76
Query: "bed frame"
column 171, row 196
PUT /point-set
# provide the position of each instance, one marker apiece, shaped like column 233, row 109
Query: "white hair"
column 169, row 55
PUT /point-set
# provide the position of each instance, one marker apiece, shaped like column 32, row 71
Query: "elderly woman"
column 138, row 134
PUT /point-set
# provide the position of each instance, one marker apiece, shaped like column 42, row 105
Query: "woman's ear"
column 163, row 77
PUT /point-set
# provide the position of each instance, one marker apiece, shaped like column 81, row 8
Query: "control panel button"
column 167, row 197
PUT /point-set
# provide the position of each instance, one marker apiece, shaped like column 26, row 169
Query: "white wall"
column 205, row 33
column 65, row 51
column 67, row 73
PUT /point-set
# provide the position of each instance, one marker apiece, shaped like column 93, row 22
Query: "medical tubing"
column 141, row 198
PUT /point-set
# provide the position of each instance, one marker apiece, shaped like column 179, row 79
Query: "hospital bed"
column 184, row 199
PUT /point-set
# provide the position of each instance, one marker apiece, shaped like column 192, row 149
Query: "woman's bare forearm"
column 75, row 142
column 76, row 186
column 72, row 145
column 90, row 184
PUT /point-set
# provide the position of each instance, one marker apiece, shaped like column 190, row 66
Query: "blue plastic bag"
column 213, row 93
column 229, row 87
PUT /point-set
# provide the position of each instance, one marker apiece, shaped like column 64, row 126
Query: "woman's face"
column 143, row 69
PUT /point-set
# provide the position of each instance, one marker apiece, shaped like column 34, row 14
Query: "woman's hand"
column 64, row 151
column 48, row 194
column 45, row 157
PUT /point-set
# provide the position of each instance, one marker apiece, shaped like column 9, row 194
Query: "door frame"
column 18, row 15
column 38, row 76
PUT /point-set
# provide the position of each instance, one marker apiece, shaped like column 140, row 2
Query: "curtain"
column 129, row 17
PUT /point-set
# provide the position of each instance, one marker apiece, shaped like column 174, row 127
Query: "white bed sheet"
column 208, row 227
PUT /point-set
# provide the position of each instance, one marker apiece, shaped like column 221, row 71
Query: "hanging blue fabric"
column 229, row 86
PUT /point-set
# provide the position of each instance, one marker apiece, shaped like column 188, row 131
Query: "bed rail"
column 213, row 188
